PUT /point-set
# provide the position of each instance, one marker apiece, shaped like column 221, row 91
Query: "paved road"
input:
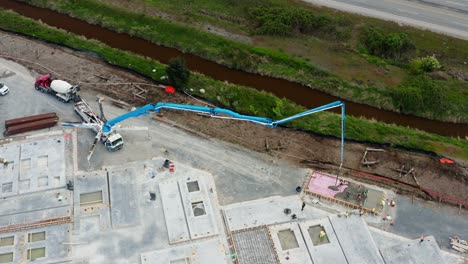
column 426, row 218
column 444, row 16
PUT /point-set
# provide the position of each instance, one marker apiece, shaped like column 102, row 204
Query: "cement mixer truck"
column 64, row 91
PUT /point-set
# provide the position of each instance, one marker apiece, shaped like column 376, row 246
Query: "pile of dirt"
column 284, row 143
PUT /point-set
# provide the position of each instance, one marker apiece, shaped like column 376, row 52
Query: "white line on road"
column 455, row 3
column 456, row 23
column 409, row 12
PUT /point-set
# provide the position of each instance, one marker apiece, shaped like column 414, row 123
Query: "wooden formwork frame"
column 32, row 225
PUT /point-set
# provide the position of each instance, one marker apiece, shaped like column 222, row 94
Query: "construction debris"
column 368, row 163
column 459, row 244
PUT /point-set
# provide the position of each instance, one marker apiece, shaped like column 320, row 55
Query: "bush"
column 391, row 45
column 425, row 64
column 420, row 95
column 280, row 21
column 177, row 72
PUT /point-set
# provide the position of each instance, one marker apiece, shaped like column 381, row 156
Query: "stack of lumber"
column 30, row 123
column 459, row 244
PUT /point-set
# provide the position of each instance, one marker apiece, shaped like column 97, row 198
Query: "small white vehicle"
column 4, row 89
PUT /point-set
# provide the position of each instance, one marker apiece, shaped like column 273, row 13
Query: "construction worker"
column 392, row 203
column 4, row 161
column 382, row 204
column 361, row 211
column 322, row 234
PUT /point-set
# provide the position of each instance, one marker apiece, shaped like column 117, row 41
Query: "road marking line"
column 455, row 3
column 409, row 12
column 457, row 23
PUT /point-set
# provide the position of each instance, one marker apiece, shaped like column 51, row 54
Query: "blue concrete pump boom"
column 215, row 112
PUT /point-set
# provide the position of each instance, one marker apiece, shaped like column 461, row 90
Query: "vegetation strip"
column 450, row 93
column 247, row 100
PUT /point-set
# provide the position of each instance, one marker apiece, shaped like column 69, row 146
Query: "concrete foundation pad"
column 268, row 211
column 205, row 252
column 355, row 239
column 290, row 245
column 124, row 209
column 330, row 252
column 414, row 252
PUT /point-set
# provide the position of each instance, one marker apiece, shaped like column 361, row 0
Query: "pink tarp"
column 319, row 184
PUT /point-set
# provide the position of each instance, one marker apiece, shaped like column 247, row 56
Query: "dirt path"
column 299, row 147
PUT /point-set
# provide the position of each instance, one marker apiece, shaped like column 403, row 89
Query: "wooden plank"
column 376, row 150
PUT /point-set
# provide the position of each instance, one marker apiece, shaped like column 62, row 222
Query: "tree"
column 177, row 72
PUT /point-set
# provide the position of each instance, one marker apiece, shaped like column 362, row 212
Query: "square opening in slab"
column 37, row 236
column 193, row 186
column 25, row 165
column 6, row 257
column 180, row 261
column 43, row 162
column 198, row 208
column 42, row 181
column 314, row 233
column 56, row 180
column 24, row 185
column 7, row 241
column 287, row 239
column 35, row 253
column 7, row 187
column 90, row 198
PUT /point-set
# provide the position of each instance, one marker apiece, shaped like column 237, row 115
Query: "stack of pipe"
column 30, row 123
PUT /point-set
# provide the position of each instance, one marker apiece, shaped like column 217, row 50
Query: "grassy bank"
column 351, row 75
column 246, row 100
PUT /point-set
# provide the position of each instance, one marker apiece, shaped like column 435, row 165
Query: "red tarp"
column 169, row 89
column 446, row 161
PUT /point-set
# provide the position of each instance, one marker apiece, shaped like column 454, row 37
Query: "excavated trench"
column 296, row 92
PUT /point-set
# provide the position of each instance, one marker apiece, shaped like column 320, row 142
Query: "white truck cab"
column 4, row 89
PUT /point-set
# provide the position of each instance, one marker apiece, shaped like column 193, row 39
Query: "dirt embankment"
column 301, row 148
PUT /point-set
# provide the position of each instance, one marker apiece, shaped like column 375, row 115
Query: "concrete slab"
column 268, row 211
column 35, row 207
column 355, row 239
column 124, row 209
column 55, row 243
column 254, row 246
column 88, row 183
column 385, row 240
column 198, row 206
column 174, row 213
column 204, row 252
column 36, row 164
column 324, row 253
column 289, row 243
column 413, row 252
